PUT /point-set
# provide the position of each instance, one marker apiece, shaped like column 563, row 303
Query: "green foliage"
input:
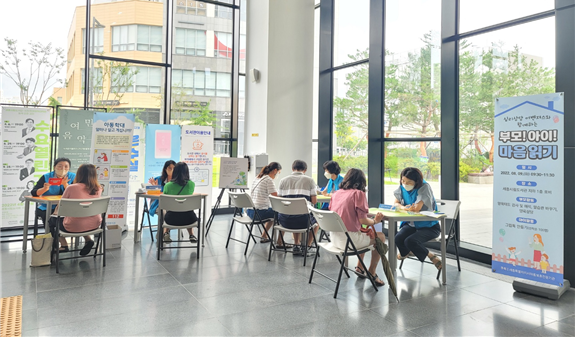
column 464, row 170
column 346, row 164
column 120, row 76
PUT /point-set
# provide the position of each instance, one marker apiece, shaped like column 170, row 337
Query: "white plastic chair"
column 331, row 222
column 241, row 201
column 451, row 210
column 82, row 208
column 179, row 203
column 290, row 206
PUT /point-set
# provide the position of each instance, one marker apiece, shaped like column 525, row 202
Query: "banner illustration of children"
column 538, row 247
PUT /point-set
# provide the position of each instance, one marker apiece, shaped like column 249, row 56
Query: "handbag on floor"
column 41, row 250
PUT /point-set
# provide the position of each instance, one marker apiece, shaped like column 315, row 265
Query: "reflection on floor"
column 228, row 294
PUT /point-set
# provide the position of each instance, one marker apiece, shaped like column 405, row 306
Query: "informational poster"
column 25, row 157
column 233, row 172
column 197, row 152
column 528, row 188
column 136, row 168
column 75, row 136
column 163, row 144
column 111, row 153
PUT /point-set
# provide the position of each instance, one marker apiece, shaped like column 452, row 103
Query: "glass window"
column 426, row 156
column 241, row 114
column 478, row 14
column 413, row 69
column 350, row 106
column 351, row 29
column 190, row 42
column 223, row 45
column 95, row 78
column 124, row 38
column 516, row 61
column 224, row 84
column 200, row 83
column 96, row 41
column 223, row 11
column 191, row 7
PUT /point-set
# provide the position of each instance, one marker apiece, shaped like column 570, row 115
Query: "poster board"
column 25, row 157
column 75, row 136
column 163, row 144
column 137, row 161
column 111, row 153
column 233, row 173
column 528, row 188
column 198, row 152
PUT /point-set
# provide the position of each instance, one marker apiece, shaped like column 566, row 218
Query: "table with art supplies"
column 393, row 217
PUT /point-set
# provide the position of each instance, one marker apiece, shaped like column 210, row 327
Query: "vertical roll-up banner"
column 528, row 188
column 198, row 153
column 163, row 144
column 137, row 160
column 25, row 157
column 111, row 153
column 75, row 136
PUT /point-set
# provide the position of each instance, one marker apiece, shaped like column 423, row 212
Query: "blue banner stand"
column 549, row 291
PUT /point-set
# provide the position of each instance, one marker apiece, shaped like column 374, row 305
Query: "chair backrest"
column 80, row 208
column 328, row 220
column 241, row 200
column 180, row 203
column 449, row 207
column 289, row 206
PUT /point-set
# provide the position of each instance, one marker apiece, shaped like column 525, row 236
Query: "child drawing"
column 538, row 247
column 513, row 253
column 544, row 262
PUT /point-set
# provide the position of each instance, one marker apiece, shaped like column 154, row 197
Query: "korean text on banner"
column 528, row 188
column 137, row 160
column 233, row 173
column 198, row 151
column 111, row 153
column 75, row 136
column 25, row 158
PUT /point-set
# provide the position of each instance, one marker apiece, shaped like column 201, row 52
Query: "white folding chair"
column 290, row 206
column 243, row 201
column 179, row 203
column 451, row 210
column 81, row 208
column 331, row 222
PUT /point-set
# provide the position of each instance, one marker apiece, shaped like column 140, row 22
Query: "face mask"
column 327, row 175
column 408, row 187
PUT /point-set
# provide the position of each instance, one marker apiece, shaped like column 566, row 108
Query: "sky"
column 49, row 21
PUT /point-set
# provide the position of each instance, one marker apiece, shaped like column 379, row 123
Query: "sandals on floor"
column 376, row 279
column 437, row 264
column 265, row 240
column 63, row 249
column 360, row 273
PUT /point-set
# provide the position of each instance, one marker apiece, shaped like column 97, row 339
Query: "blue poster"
column 528, row 188
column 162, row 144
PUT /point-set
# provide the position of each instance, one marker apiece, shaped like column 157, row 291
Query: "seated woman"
column 350, row 203
column 61, row 171
column 331, row 172
column 262, row 187
column 414, row 195
column 180, row 185
column 85, row 186
column 162, row 180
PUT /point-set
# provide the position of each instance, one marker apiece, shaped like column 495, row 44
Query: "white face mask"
column 408, row 187
column 327, row 175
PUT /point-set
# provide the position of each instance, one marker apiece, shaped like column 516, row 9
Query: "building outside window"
column 96, row 40
column 96, row 76
column 190, row 42
column 223, row 45
column 200, row 83
column 191, row 7
column 140, row 37
column 149, row 38
column 224, row 12
column 138, row 79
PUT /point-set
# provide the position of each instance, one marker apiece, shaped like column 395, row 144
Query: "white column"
column 278, row 120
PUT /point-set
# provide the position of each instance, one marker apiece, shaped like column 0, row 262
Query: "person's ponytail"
column 268, row 169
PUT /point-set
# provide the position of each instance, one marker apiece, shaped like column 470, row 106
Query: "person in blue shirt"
column 162, row 180
column 331, row 172
column 43, row 188
column 415, row 195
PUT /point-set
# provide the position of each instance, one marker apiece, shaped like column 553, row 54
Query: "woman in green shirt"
column 180, row 185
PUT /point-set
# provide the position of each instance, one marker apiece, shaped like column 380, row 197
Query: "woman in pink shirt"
column 85, row 186
column 350, row 203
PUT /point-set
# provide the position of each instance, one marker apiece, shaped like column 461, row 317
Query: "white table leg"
column 443, row 251
column 26, row 218
column 204, row 220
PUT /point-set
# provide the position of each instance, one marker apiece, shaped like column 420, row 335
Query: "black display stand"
column 216, row 206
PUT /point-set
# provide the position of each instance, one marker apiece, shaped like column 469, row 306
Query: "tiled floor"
column 228, row 294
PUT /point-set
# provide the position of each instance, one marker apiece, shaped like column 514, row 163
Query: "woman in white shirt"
column 262, row 187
